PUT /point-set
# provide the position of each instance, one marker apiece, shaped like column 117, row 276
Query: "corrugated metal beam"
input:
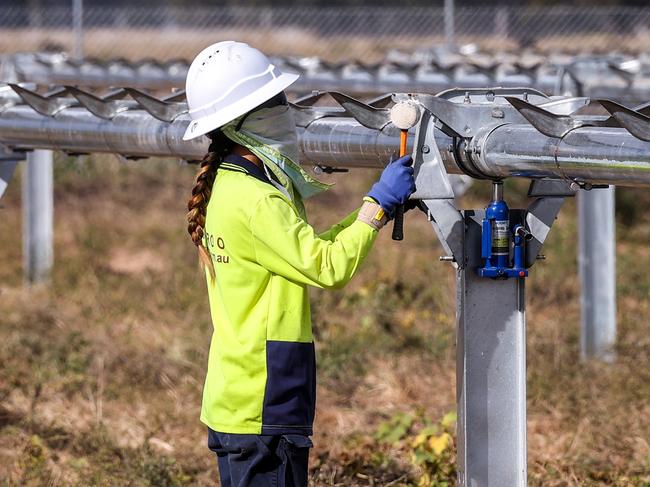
column 593, row 150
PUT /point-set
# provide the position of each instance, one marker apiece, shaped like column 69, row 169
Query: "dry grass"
column 101, row 373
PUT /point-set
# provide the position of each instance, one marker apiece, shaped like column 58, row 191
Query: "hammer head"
column 404, row 115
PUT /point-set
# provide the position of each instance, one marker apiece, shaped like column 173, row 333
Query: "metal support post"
column 491, row 322
column 77, row 27
column 449, row 24
column 491, row 371
column 38, row 215
column 491, row 335
column 597, row 271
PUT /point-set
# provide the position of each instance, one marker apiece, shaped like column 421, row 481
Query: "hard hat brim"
column 207, row 124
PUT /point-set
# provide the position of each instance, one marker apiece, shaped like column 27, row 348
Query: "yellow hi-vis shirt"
column 261, row 376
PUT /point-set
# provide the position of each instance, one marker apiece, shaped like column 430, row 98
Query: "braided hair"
column 220, row 146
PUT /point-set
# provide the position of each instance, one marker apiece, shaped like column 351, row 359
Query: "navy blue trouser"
column 261, row 460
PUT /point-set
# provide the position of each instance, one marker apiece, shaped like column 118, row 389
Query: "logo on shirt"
column 216, row 246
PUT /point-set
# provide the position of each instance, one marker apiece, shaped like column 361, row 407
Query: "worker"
column 247, row 218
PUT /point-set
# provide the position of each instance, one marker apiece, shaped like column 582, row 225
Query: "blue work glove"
column 395, row 185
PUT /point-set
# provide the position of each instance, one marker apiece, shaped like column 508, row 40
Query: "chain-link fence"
column 331, row 33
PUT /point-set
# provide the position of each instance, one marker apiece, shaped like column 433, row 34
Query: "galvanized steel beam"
column 487, row 135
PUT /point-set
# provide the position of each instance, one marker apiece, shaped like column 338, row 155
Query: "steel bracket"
column 8, row 161
column 434, row 188
column 539, row 219
column 461, row 113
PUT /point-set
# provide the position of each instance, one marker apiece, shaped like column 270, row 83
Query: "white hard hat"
column 227, row 80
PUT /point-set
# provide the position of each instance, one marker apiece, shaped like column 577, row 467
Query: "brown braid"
column 198, row 202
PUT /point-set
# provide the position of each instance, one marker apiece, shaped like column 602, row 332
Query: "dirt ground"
column 101, row 372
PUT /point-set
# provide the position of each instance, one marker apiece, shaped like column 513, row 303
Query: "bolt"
column 450, row 148
column 540, row 257
column 497, row 113
column 447, row 258
column 425, row 149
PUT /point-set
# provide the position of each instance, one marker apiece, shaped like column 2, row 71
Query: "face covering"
column 270, row 134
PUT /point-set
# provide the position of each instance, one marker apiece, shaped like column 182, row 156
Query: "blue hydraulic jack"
column 499, row 240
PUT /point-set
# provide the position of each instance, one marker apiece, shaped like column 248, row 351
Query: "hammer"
column 404, row 115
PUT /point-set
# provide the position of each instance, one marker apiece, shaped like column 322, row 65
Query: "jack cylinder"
column 497, row 239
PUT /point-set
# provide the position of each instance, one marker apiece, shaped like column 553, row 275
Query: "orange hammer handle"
column 398, row 223
column 403, row 135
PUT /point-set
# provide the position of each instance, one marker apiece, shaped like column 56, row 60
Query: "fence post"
column 34, row 14
column 449, row 24
column 597, row 271
column 38, row 213
column 501, row 22
column 77, row 27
